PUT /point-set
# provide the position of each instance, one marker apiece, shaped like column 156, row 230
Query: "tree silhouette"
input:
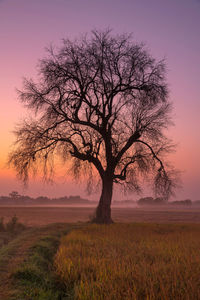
column 100, row 102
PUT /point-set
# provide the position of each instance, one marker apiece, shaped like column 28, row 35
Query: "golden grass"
column 131, row 261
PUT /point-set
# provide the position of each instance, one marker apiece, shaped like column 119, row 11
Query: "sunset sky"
column 169, row 28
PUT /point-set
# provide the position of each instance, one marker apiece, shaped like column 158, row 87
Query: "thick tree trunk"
column 103, row 211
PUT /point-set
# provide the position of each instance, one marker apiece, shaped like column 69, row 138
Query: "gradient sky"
column 170, row 30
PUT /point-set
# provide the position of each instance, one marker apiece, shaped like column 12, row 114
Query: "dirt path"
column 20, row 252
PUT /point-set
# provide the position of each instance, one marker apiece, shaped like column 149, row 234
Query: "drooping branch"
column 154, row 155
column 165, row 181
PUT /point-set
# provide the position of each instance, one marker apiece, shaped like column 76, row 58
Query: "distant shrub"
column 182, row 202
column 145, row 201
column 14, row 225
column 151, row 201
column 11, row 225
column 159, row 201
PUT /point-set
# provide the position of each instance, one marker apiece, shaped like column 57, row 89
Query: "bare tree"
column 101, row 102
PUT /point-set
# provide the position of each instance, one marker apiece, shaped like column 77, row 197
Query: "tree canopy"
column 102, row 102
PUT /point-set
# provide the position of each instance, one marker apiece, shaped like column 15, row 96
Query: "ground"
column 34, row 216
column 15, row 249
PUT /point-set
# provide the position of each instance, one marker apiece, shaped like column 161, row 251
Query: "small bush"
column 12, row 226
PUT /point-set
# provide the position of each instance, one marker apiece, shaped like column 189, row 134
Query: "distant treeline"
column 15, row 198
column 162, row 201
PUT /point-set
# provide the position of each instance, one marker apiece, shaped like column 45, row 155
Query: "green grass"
column 35, row 278
column 131, row 261
column 35, row 275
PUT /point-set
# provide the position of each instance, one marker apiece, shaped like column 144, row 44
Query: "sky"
column 170, row 30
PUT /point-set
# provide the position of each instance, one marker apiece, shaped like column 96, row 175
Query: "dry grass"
column 131, row 261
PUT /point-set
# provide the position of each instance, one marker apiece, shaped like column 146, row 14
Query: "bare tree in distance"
column 102, row 103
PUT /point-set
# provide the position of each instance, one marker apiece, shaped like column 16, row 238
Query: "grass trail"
column 16, row 252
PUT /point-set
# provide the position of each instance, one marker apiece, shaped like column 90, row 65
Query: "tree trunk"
column 103, row 211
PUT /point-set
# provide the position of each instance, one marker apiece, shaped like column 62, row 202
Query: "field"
column 131, row 261
column 34, row 216
column 148, row 254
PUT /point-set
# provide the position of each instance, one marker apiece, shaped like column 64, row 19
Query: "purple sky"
column 170, row 30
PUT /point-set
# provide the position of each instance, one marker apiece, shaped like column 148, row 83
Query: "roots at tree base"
column 103, row 214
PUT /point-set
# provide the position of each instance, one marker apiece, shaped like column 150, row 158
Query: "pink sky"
column 170, row 30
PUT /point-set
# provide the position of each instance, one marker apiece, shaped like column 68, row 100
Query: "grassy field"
column 147, row 254
column 131, row 261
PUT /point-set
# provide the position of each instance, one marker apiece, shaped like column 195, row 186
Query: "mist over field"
column 43, row 214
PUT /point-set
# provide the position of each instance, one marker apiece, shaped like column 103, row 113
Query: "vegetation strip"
column 27, row 273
